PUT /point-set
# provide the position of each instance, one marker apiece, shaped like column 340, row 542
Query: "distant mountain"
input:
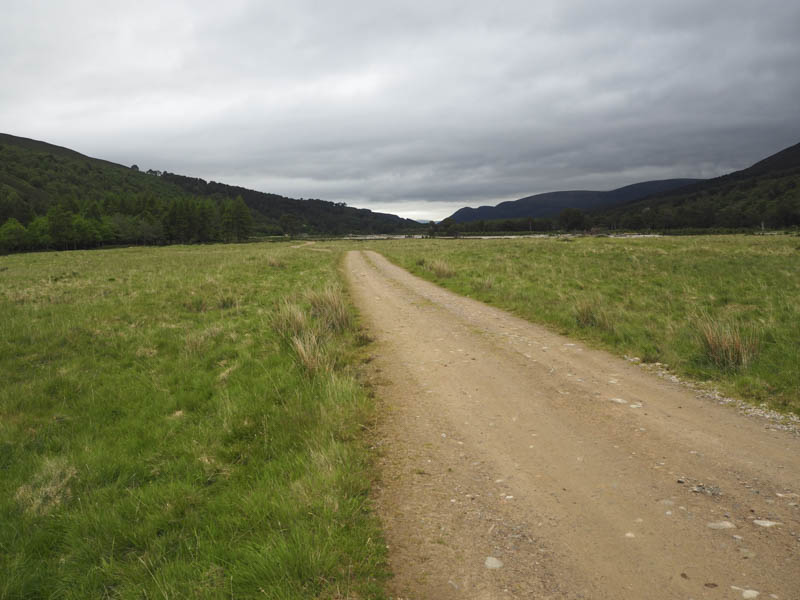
column 52, row 196
column 550, row 204
column 767, row 193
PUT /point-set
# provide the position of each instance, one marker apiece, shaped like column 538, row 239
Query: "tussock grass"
column 640, row 297
column 289, row 320
column 309, row 332
column 487, row 283
column 162, row 437
column 437, row 267
column 330, row 307
column 440, row 268
column 227, row 300
column 590, row 312
column 310, row 349
column 728, row 345
column 195, row 304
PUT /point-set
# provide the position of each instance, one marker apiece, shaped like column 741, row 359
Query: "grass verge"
column 163, row 436
column 718, row 308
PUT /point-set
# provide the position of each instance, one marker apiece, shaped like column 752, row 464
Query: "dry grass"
column 289, row 320
column 228, row 300
column 330, row 308
column 49, row 488
column 590, row 313
column 486, row 283
column 440, row 268
column 309, row 332
column 196, row 343
column 309, row 348
column 146, row 352
column 726, row 344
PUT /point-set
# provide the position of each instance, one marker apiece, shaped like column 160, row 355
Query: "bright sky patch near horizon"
column 413, row 108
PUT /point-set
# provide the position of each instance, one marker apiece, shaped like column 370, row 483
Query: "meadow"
column 724, row 309
column 183, row 422
column 188, row 422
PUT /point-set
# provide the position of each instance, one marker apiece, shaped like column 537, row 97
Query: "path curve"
column 517, row 463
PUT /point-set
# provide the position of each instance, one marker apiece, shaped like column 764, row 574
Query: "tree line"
column 65, row 226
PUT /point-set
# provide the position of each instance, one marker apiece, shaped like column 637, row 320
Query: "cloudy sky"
column 414, row 108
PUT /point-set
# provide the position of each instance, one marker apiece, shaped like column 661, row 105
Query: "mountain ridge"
column 550, row 204
column 766, row 193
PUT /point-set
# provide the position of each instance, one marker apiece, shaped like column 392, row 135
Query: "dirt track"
column 583, row 475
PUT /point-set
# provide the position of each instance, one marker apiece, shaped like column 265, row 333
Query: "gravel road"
column 517, row 463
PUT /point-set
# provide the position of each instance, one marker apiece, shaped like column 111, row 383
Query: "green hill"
column 766, row 194
column 54, row 197
column 279, row 213
column 550, row 204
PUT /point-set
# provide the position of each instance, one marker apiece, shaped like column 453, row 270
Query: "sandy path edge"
column 584, row 476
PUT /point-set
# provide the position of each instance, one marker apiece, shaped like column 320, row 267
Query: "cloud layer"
column 416, row 108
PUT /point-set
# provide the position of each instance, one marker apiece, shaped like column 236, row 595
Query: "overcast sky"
column 414, row 108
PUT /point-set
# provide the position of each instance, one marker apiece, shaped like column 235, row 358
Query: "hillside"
column 550, row 204
column 766, row 194
column 54, row 197
column 279, row 213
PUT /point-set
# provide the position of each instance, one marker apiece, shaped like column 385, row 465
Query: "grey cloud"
column 422, row 106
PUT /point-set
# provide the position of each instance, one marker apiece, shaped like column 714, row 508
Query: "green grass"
column 183, row 422
column 719, row 308
column 162, row 437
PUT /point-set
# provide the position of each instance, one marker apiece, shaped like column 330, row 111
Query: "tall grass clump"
column 312, row 352
column 289, row 319
column 440, row 268
column 591, row 313
column 330, row 307
column 726, row 344
column 314, row 334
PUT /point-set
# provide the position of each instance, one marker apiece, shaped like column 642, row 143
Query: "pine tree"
column 242, row 219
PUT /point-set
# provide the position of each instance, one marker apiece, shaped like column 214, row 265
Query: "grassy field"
column 181, row 423
column 725, row 308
